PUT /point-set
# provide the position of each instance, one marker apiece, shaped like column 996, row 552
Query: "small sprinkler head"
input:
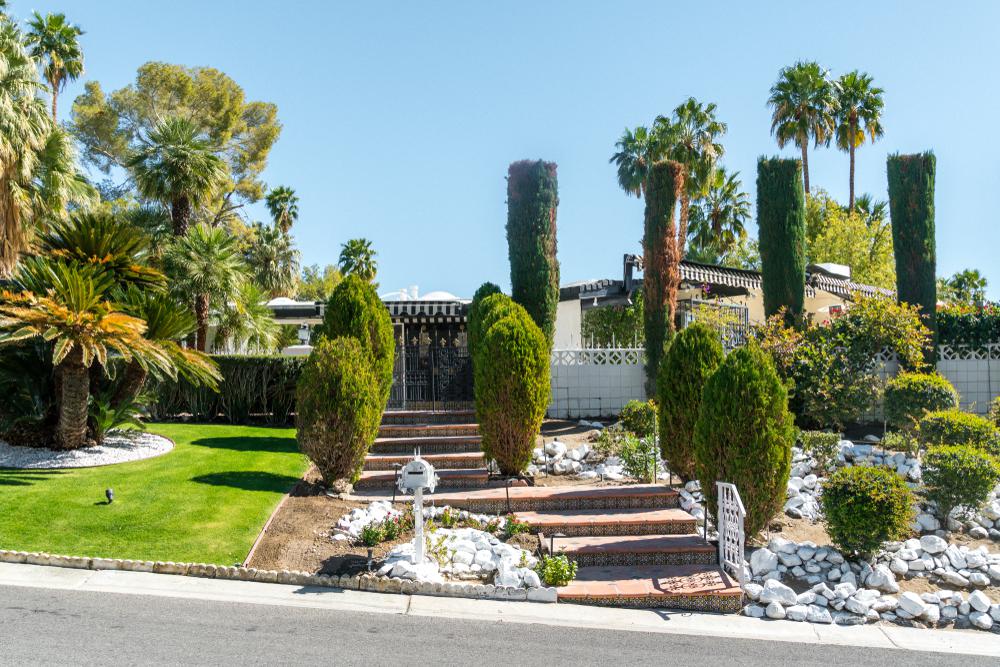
column 110, row 495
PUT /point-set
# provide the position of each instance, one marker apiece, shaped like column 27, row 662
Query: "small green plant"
column 995, row 411
column 436, row 548
column 372, row 534
column 901, row 441
column 952, row 427
column 639, row 417
column 524, row 559
column 865, row 507
column 959, row 476
column 909, row 396
column 448, row 518
column 822, row 446
column 392, row 528
column 105, row 417
column 640, row 458
column 513, row 526
column 492, row 526
column 556, row 570
column 610, row 439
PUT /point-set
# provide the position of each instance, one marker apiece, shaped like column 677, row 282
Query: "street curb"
column 363, row 582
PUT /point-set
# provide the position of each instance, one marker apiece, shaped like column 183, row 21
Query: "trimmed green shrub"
column 900, row 441
column 639, row 417
column 511, row 383
column 339, row 408
column 995, row 411
column 911, row 208
column 954, row 427
column 692, row 357
column 253, row 389
column 475, row 314
column 909, row 396
column 532, row 200
column 744, row 435
column 354, row 309
column 822, row 446
column 959, row 476
column 661, row 263
column 556, row 570
column 494, row 308
column 866, row 506
column 781, row 219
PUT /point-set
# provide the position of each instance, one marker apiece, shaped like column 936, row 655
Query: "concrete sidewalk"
column 634, row 620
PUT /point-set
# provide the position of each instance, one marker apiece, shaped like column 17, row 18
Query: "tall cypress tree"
column 911, row 207
column 532, row 200
column 781, row 219
column 663, row 249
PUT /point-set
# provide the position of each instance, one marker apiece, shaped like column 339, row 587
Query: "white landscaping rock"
column 912, row 604
column 775, row 591
column 933, row 544
column 981, row 620
column 979, row 601
column 776, row 611
column 882, row 579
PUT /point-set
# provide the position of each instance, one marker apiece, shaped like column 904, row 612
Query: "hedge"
column 954, row 427
column 781, row 219
column 976, row 326
column 865, row 507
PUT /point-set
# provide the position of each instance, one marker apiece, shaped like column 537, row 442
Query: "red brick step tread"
column 563, row 493
column 454, row 477
column 683, row 586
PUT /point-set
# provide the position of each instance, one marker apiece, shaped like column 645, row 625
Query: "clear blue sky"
column 400, row 118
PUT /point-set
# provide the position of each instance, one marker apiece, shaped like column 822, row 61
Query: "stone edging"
column 364, row 582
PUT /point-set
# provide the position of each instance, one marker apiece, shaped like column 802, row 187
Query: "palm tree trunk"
column 131, row 384
column 850, row 203
column 201, row 315
column 55, row 96
column 180, row 214
column 805, row 163
column 71, row 431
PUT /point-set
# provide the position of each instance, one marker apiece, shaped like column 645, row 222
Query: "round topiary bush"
column 959, row 476
column 908, row 396
column 744, row 435
column 338, row 406
column 476, row 313
column 639, row 417
column 866, row 506
column 953, row 427
column 690, row 360
column 512, row 389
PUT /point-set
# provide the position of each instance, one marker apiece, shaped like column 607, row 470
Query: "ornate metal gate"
column 432, row 377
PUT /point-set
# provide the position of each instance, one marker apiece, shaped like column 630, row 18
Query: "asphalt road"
column 45, row 626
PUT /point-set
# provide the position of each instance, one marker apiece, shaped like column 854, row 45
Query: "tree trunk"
column 180, row 214
column 132, row 383
column 55, row 96
column 201, row 315
column 805, row 163
column 850, row 203
column 71, row 431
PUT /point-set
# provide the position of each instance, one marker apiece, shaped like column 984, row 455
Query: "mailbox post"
column 416, row 476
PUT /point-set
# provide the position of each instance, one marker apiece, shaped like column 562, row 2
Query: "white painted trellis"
column 729, row 522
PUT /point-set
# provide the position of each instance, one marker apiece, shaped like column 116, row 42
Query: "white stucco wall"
column 569, row 322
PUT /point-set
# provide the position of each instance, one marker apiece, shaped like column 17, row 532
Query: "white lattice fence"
column 729, row 522
column 595, row 382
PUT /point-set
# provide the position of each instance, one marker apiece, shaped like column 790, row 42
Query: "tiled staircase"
column 633, row 545
column 448, row 440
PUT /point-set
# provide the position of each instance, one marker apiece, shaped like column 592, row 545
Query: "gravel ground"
column 117, row 448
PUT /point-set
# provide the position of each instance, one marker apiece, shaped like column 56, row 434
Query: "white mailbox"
column 416, row 475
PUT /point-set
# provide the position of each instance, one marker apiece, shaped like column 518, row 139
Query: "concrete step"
column 693, row 587
column 601, row 522
column 461, row 478
column 426, row 430
column 591, row 551
column 439, row 461
column 437, row 444
column 541, row 498
column 428, row 416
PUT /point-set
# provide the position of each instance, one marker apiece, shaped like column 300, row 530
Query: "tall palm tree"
column 245, row 323
column 357, row 257
column 24, row 130
column 69, row 304
column 718, row 220
column 803, row 104
column 57, row 181
column 178, row 167
column 283, row 206
column 205, row 265
column 54, row 43
column 273, row 259
column 636, row 152
column 858, row 116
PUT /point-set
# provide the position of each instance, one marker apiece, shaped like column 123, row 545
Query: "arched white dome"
column 398, row 295
column 439, row 296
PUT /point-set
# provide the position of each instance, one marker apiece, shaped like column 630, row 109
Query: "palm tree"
column 967, row 286
column 718, row 220
column 273, row 260
column 24, row 130
column 68, row 304
column 803, row 104
column 203, row 265
column 245, row 323
column 283, row 206
column 858, row 116
column 54, row 44
column 57, row 182
column 357, row 257
column 637, row 151
column 177, row 167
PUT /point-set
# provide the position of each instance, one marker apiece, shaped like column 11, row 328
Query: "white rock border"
column 363, row 582
column 120, row 447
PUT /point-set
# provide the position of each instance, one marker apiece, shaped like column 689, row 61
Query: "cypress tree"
column 532, row 200
column 911, row 207
column 781, row 219
column 663, row 249
column 476, row 313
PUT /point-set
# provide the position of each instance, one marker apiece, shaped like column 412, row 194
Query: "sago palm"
column 858, row 115
column 178, row 167
column 55, row 44
column 357, row 257
column 718, row 220
column 68, row 305
column 802, row 102
column 205, row 265
column 283, row 206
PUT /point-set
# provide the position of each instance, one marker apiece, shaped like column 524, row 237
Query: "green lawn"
column 204, row 502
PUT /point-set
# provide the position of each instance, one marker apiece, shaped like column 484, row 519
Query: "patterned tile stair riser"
column 499, row 505
column 439, row 461
column 408, row 417
column 443, row 445
column 427, row 430
column 723, row 604
column 644, row 528
column 653, row 558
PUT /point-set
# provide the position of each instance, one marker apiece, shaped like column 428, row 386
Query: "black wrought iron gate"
column 431, row 377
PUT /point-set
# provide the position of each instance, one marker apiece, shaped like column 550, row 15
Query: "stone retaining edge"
column 364, row 582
